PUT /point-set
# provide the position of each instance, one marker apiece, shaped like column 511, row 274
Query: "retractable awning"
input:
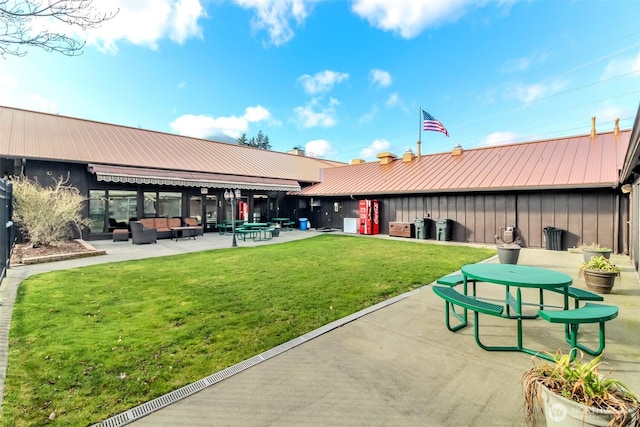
column 132, row 175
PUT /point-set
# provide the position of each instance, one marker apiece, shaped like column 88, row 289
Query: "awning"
column 131, row 175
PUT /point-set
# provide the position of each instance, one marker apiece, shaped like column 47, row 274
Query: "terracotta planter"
column 508, row 255
column 559, row 411
column 599, row 281
column 587, row 254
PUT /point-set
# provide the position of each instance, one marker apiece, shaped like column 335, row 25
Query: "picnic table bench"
column 527, row 277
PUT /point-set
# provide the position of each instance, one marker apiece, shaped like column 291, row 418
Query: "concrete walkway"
column 397, row 365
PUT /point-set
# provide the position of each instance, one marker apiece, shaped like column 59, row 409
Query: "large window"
column 123, row 205
column 195, row 208
column 170, row 204
column 162, row 204
column 111, row 209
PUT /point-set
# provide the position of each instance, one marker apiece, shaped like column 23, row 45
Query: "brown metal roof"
column 29, row 134
column 573, row 162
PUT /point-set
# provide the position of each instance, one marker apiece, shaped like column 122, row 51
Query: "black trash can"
column 421, row 230
column 553, row 238
column 443, row 229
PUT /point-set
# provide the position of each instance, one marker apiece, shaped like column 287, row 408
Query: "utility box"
column 443, row 229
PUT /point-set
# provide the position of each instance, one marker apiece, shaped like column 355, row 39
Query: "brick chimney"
column 457, row 150
column 357, row 162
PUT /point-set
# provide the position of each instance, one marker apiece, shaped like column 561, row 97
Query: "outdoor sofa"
column 161, row 225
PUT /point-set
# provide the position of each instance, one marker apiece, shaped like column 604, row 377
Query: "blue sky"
column 346, row 79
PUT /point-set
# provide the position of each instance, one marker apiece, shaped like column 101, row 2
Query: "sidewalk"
column 398, row 365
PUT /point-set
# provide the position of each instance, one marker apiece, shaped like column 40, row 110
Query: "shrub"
column 47, row 214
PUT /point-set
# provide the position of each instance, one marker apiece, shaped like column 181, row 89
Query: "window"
column 123, row 206
column 150, row 203
column 195, row 208
column 97, row 204
column 170, row 204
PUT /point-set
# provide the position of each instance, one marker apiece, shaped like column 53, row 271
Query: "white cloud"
column 321, row 82
column 312, row 115
column 144, row 23
column 532, row 92
column 182, row 85
column 10, row 94
column 607, row 113
column 319, row 148
column 380, row 78
column 618, row 67
column 273, row 16
column 201, row 126
column 498, row 138
column 408, row 18
column 377, row 146
column 393, row 100
column 256, row 114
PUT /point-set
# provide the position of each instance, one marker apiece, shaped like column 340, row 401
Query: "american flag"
column 430, row 123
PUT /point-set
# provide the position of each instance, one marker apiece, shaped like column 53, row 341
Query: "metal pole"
column 234, row 243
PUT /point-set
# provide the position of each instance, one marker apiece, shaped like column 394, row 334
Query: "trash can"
column 421, row 231
column 304, row 225
column 553, row 238
column 443, row 229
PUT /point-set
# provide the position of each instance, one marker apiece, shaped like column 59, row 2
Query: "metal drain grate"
column 176, row 395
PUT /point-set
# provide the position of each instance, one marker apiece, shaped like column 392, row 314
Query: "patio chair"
column 141, row 235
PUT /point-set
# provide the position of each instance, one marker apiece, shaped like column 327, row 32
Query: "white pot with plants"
column 574, row 393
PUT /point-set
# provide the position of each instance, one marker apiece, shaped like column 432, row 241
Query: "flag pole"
column 419, row 130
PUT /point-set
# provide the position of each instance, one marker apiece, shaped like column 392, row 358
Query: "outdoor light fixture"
column 232, row 196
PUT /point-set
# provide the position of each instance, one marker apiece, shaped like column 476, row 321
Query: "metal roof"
column 29, row 134
column 571, row 162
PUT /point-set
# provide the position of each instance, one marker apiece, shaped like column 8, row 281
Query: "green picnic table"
column 519, row 277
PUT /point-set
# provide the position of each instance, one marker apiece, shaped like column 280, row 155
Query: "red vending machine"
column 243, row 211
column 369, row 212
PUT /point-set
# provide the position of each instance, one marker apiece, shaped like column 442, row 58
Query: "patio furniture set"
column 511, row 307
column 256, row 230
column 149, row 230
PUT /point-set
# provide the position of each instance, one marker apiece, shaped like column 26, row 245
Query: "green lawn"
column 92, row 342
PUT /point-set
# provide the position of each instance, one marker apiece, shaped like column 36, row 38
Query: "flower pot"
column 559, row 411
column 508, row 255
column 588, row 253
column 599, row 281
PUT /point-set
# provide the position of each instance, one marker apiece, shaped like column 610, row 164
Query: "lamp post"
column 232, row 197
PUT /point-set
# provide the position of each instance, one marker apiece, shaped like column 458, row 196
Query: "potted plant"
column 599, row 274
column 573, row 392
column 589, row 251
column 508, row 253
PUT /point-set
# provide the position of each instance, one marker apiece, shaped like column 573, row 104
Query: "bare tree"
column 17, row 29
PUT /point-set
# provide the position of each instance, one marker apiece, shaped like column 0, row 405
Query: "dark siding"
column 585, row 215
